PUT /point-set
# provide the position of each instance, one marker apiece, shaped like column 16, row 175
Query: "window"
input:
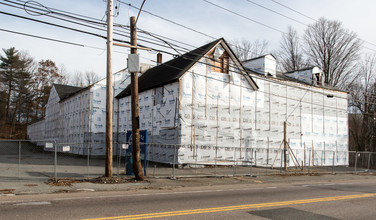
column 219, row 60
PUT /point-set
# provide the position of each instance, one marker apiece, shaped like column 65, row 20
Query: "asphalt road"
column 335, row 200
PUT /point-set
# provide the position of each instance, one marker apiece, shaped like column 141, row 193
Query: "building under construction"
column 207, row 107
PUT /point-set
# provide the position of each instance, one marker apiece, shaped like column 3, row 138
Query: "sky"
column 255, row 20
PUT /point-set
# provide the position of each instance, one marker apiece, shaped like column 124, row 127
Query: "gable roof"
column 172, row 70
column 63, row 91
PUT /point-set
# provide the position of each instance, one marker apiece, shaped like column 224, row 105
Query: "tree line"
column 337, row 52
column 25, row 85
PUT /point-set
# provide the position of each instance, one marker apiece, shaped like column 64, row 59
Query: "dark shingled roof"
column 64, row 91
column 170, row 71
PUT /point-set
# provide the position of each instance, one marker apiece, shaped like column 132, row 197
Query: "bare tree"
column 65, row 79
column 333, row 49
column 91, row 77
column 246, row 49
column 77, row 79
column 363, row 105
column 290, row 54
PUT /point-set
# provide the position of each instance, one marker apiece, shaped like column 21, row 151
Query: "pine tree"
column 8, row 67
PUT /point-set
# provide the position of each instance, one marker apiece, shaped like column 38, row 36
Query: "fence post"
column 356, row 160
column 305, row 159
column 119, row 157
column 88, row 161
column 255, row 158
column 334, row 155
column 173, row 165
column 196, row 149
column 369, row 160
column 234, row 162
column 215, row 160
column 55, row 162
column 309, row 161
column 19, row 159
column 251, row 163
column 280, row 169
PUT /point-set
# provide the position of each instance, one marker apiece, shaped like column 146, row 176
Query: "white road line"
column 143, row 194
column 33, row 203
column 307, row 185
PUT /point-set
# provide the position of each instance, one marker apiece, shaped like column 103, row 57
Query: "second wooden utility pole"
column 109, row 95
column 137, row 168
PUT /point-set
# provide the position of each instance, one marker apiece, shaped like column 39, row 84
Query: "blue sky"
column 358, row 16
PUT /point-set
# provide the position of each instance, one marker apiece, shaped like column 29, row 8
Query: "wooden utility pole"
column 109, row 95
column 137, row 168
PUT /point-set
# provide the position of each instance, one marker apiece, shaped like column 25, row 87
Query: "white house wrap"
column 205, row 107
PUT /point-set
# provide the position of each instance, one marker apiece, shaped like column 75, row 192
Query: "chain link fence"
column 22, row 160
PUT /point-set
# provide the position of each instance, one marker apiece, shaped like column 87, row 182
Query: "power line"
column 276, row 12
column 243, row 16
column 80, row 31
column 44, row 38
column 58, row 11
column 293, row 10
column 165, row 19
column 175, row 23
column 56, row 25
column 141, row 38
column 55, row 40
column 315, row 20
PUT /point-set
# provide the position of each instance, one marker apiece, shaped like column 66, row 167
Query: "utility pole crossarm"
column 132, row 46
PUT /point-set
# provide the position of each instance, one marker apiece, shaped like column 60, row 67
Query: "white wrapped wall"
column 158, row 109
column 214, row 115
column 222, row 111
column 75, row 122
column 218, row 117
column 36, row 132
column 52, row 117
column 79, row 121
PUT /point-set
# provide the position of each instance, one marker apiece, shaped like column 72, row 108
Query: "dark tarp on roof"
column 170, row 71
column 64, row 91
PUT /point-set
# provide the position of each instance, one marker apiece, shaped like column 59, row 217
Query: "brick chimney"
column 159, row 59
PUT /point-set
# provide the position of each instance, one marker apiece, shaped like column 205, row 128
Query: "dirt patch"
column 65, row 191
column 97, row 180
column 31, row 185
column 112, row 180
column 7, row 191
column 297, row 174
column 62, row 182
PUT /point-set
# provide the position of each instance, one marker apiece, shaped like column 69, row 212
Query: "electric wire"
column 141, row 38
column 243, row 16
column 56, row 40
column 276, row 12
column 155, row 15
column 315, row 20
